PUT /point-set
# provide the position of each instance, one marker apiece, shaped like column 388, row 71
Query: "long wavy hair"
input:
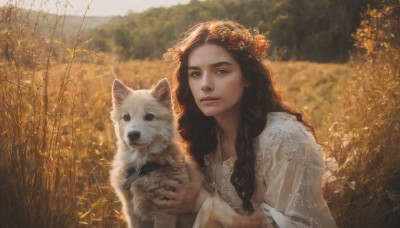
column 198, row 130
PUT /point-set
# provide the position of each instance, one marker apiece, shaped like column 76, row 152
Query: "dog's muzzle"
column 133, row 136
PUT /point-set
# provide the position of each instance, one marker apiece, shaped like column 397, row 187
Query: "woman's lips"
column 208, row 100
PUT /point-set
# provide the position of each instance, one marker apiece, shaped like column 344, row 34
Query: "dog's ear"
column 119, row 92
column 162, row 93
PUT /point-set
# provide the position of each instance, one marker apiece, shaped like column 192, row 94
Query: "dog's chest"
column 155, row 180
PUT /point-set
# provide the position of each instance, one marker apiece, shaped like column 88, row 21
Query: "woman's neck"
column 228, row 126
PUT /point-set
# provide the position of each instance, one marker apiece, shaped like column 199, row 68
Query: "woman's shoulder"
column 285, row 137
column 282, row 121
column 279, row 118
column 282, row 127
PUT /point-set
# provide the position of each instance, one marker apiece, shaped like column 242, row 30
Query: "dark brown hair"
column 258, row 100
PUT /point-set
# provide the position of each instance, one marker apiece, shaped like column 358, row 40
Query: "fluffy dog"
column 147, row 155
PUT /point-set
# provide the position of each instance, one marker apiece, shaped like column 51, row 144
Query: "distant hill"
column 43, row 24
column 88, row 23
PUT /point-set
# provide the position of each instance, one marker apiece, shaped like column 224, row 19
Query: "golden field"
column 57, row 140
column 69, row 159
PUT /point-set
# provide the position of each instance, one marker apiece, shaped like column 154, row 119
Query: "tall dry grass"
column 56, row 139
column 27, row 190
column 365, row 133
column 45, row 140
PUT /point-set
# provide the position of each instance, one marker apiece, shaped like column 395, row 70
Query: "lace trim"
column 226, row 189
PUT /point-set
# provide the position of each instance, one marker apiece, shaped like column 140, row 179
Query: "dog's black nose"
column 133, row 135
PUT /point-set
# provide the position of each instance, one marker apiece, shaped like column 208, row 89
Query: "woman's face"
column 216, row 81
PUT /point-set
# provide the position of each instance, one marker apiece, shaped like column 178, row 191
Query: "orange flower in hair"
column 222, row 32
column 242, row 40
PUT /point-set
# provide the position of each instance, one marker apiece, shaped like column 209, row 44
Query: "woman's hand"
column 186, row 197
column 257, row 219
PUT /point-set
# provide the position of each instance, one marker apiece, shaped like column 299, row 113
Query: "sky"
column 97, row 7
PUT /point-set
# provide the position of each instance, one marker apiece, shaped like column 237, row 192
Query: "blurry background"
column 336, row 61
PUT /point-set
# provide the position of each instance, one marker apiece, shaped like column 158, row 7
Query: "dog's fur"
column 143, row 139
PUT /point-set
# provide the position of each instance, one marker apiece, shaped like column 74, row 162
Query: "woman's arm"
column 293, row 195
column 212, row 210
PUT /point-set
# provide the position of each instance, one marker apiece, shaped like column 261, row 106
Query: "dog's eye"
column 126, row 117
column 149, row 117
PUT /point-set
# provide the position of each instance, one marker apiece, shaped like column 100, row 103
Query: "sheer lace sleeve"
column 293, row 195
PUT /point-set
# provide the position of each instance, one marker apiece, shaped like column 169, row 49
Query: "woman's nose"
column 206, row 83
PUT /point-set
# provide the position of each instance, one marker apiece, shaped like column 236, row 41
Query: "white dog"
column 147, row 155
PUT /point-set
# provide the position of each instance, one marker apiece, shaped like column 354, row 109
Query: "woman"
column 263, row 165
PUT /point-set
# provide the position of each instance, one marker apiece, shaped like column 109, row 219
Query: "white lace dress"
column 289, row 168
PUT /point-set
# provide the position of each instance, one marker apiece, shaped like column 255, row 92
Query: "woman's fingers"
column 164, row 203
column 175, row 185
column 257, row 219
column 160, row 202
column 168, row 206
column 177, row 197
column 167, row 194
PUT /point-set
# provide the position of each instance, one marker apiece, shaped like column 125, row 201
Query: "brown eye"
column 126, row 117
column 149, row 116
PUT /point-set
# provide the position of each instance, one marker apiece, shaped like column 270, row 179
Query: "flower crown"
column 241, row 40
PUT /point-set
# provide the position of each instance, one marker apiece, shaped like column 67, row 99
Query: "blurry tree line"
column 314, row 30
